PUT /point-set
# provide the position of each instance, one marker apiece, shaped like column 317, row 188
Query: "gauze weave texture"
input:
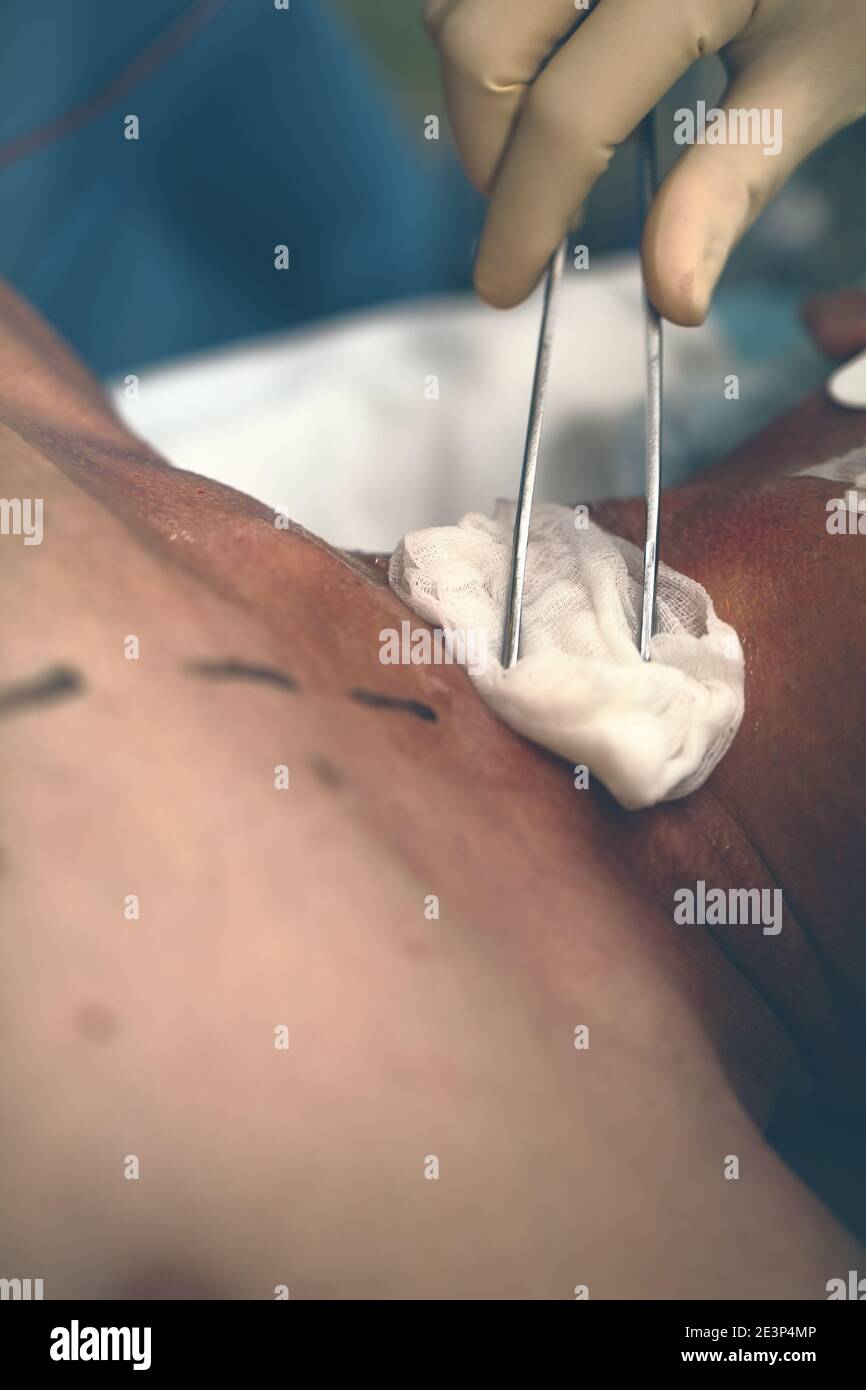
column 650, row 731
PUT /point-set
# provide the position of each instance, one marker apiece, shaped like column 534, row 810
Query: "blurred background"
column 361, row 387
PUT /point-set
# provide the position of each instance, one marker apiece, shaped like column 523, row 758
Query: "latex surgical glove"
column 537, row 135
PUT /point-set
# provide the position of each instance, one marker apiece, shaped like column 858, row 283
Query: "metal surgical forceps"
column 653, row 330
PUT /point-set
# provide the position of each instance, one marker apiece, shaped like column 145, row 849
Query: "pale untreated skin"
column 409, row 1036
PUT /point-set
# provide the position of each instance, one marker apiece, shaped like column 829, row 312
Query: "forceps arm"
column 520, row 540
column 653, row 325
column 653, row 330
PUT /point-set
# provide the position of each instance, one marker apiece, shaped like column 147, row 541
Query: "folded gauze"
column 650, row 730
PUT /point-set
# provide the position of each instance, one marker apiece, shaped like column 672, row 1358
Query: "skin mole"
column 327, row 772
column 170, row 1280
column 417, row 950
column 97, row 1023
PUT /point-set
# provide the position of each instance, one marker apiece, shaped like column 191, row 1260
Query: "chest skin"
column 306, row 903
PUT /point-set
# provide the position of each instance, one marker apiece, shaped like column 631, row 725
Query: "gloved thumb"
column 733, row 166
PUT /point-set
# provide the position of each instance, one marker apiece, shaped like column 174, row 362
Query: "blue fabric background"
column 266, row 128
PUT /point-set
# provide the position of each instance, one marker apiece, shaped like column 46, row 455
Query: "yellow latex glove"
column 536, row 137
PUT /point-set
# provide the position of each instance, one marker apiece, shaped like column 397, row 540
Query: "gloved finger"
column 491, row 50
column 435, row 13
column 588, row 99
column 715, row 192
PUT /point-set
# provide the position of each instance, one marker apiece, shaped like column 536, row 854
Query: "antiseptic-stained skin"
column 412, row 1033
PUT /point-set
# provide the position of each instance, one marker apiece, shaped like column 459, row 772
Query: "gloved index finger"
column 589, row 99
column 491, row 50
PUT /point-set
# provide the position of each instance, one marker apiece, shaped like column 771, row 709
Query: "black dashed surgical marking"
column 374, row 700
column 242, row 671
column 55, row 684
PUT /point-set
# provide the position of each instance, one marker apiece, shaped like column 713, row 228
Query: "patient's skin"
column 411, row 1036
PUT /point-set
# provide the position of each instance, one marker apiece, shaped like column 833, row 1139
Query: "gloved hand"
column 537, row 137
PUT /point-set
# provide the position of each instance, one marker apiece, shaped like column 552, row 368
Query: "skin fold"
column 411, row 1036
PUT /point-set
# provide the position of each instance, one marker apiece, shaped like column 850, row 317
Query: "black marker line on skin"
column 241, row 670
column 374, row 700
column 54, row 684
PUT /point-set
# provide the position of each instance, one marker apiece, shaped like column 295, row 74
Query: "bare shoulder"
column 302, row 945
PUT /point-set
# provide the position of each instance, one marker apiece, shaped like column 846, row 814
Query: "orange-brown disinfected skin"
column 430, row 905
